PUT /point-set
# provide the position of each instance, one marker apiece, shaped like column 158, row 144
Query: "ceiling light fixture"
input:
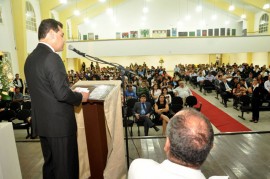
column 266, row 6
column 145, row 10
column 231, row 8
column 243, row 16
column 102, row 1
column 145, row 7
column 214, row 16
column 86, row 20
column 63, row 1
column 199, row 8
column 76, row 12
column 187, row 18
column 109, row 10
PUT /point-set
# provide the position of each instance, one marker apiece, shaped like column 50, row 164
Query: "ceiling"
column 94, row 7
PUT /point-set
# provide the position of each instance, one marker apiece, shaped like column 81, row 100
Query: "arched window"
column 263, row 26
column 30, row 17
column 1, row 19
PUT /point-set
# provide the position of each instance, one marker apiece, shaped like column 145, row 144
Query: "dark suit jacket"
column 137, row 108
column 15, row 82
column 52, row 99
column 222, row 86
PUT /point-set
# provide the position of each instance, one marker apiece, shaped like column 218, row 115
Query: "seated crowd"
column 230, row 81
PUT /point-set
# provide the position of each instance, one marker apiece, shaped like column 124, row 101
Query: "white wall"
column 162, row 15
column 7, row 40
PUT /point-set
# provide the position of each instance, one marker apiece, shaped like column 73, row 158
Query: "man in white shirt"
column 267, row 84
column 188, row 129
column 182, row 91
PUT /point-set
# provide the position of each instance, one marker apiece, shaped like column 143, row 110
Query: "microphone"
column 70, row 47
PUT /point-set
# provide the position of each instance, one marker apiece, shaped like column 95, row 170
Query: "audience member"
column 129, row 93
column 168, row 97
column 18, row 82
column 155, row 92
column 200, row 80
column 162, row 112
column 256, row 92
column 182, row 91
column 18, row 96
column 143, row 89
column 225, row 90
column 189, row 140
column 142, row 111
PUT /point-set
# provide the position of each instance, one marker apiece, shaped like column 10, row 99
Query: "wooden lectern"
column 103, row 131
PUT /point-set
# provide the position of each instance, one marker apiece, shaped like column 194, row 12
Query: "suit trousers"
column 60, row 157
column 147, row 123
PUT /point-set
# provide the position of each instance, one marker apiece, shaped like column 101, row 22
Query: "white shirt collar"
column 47, row 45
column 182, row 170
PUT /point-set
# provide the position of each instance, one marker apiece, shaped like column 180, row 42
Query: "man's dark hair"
column 191, row 137
column 143, row 95
column 46, row 25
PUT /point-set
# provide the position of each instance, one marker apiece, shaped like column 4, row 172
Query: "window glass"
column 30, row 17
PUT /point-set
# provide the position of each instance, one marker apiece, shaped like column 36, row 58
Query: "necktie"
column 143, row 111
column 143, row 104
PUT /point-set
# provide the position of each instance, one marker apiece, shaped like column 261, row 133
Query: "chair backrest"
column 177, row 100
column 130, row 104
column 23, row 115
column 245, row 99
column 176, row 104
column 26, row 105
column 191, row 101
column 15, row 106
column 207, row 83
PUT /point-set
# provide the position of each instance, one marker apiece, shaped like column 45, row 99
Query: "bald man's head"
column 191, row 136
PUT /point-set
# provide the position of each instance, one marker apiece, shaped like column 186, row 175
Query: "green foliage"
column 6, row 81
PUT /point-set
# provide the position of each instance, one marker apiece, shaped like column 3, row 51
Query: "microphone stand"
column 122, row 72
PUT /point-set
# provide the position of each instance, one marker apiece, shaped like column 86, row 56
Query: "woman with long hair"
column 162, row 112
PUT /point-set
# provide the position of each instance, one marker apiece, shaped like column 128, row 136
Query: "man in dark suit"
column 225, row 90
column 53, row 117
column 18, row 82
column 142, row 111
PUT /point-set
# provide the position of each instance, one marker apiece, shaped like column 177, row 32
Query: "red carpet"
column 222, row 121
